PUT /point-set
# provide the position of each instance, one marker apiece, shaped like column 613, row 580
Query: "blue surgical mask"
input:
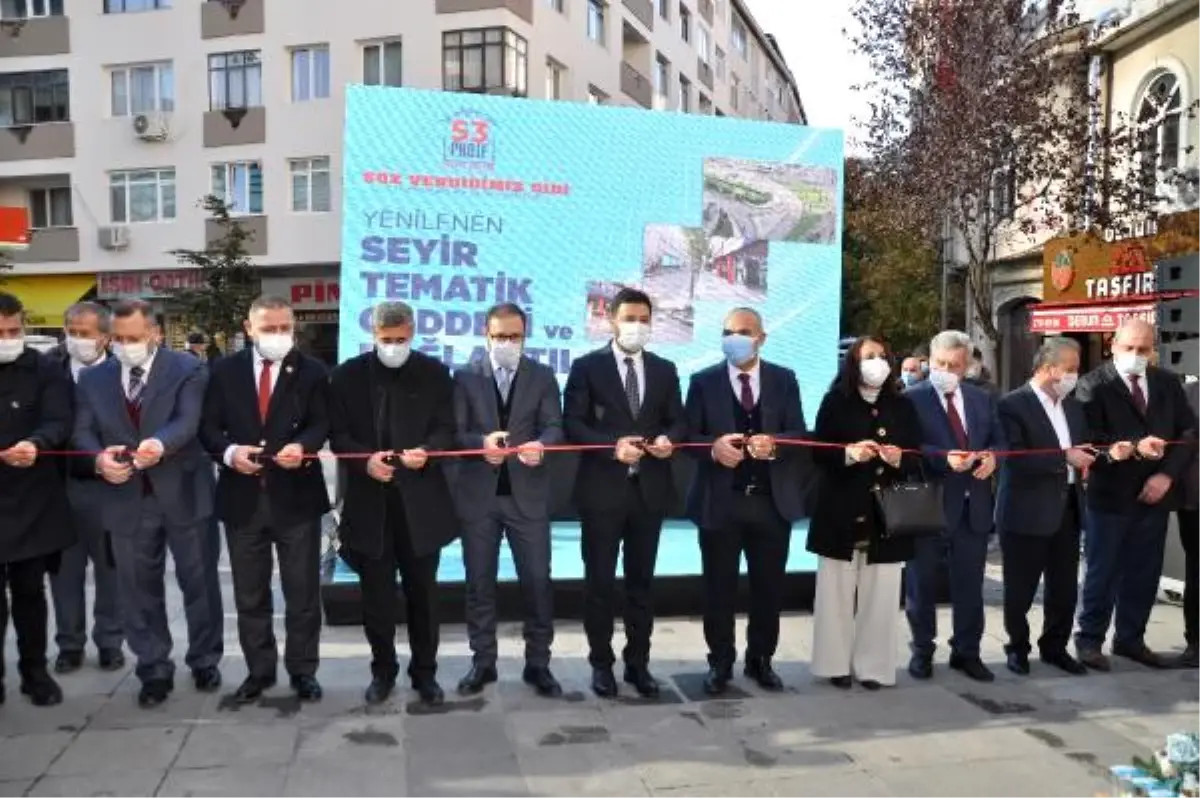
column 908, row 378
column 739, row 349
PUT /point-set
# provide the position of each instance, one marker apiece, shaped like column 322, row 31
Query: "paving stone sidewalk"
column 1045, row 734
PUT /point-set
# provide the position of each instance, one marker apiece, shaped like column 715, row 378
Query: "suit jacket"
column 1112, row 417
column 35, row 406
column 845, row 502
column 298, row 413
column 412, row 407
column 983, row 433
column 1034, row 490
column 1192, row 476
column 596, row 412
column 535, row 414
column 78, row 469
column 712, row 412
column 172, row 401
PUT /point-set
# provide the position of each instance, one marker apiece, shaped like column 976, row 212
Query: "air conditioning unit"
column 151, row 126
column 114, row 237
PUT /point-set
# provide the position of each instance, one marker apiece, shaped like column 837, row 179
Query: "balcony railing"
column 636, row 85
column 706, row 10
column 643, row 10
column 704, row 71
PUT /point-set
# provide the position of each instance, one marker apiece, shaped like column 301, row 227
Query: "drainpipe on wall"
column 1112, row 16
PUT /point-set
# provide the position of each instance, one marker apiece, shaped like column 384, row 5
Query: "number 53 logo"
column 470, row 144
column 474, row 131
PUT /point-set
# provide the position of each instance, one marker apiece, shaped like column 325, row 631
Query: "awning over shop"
column 1087, row 317
column 47, row 296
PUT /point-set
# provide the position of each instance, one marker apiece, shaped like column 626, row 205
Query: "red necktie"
column 956, row 424
column 1139, row 396
column 264, row 389
column 747, row 393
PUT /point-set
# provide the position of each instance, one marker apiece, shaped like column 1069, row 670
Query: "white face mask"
column 83, row 350
column 132, row 355
column 274, row 346
column 874, row 372
column 1065, row 384
column 1131, row 364
column 944, row 381
column 506, row 354
column 632, row 336
column 974, row 370
column 11, row 349
column 393, row 355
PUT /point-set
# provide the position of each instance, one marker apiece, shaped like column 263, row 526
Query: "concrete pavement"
column 1046, row 734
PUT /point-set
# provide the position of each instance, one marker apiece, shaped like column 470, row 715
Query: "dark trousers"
column 630, row 533
column 68, row 585
column 418, row 580
column 1124, row 556
column 529, row 541
column 965, row 551
column 755, row 527
column 25, row 580
column 298, row 548
column 141, row 556
column 1189, row 538
column 1027, row 558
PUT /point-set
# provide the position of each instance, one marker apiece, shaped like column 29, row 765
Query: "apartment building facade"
column 120, row 115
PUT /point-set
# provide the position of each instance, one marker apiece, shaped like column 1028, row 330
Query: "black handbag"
column 911, row 508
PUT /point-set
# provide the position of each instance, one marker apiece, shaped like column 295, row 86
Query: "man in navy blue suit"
column 960, row 430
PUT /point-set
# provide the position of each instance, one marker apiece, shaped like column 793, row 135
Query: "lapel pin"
column 288, row 369
column 16, row 404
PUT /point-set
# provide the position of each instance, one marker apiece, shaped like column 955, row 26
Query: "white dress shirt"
column 78, row 366
column 1058, row 419
column 145, row 372
column 273, row 376
column 639, row 368
column 959, row 405
column 755, row 373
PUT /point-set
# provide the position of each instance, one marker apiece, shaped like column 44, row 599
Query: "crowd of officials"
column 108, row 446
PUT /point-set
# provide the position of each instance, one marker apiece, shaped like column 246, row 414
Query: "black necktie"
column 632, row 390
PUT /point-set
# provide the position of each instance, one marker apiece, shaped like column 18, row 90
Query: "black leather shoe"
column 1139, row 654
column 429, row 691
column 307, row 688
column 1065, row 662
column 604, row 684
column 1094, row 658
column 1, row 692
column 1018, row 663
column 111, row 659
column 642, row 680
column 841, row 682
column 760, row 671
column 476, row 678
column 68, row 661
column 871, row 684
column 42, row 690
column 717, row 680
column 379, row 690
column 154, row 692
column 1188, row 659
column 920, row 667
column 207, row 680
column 972, row 668
column 252, row 689
column 542, row 681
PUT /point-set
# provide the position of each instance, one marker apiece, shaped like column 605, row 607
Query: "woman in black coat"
column 855, row 623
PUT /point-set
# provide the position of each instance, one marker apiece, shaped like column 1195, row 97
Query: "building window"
column 557, row 5
column 50, row 207
column 142, row 88
column 24, row 9
column 235, row 80
column 555, row 76
column 719, row 66
column 664, row 9
column 310, row 185
column 662, row 76
column 382, row 64
column 706, row 106
column 310, row 73
column 130, row 6
column 685, row 95
column 240, row 185
column 685, row 23
column 144, row 195
column 737, row 37
column 1004, row 192
column 31, row 98
column 735, row 89
column 1159, row 119
column 493, row 60
column 704, row 43
column 596, row 97
column 595, row 20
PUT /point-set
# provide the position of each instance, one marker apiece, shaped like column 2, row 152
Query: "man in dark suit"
column 86, row 326
column 141, row 409
column 265, row 419
column 1189, row 538
column 746, row 493
column 625, row 397
column 960, row 431
column 1133, row 408
column 388, row 409
column 507, row 401
column 35, row 416
column 1039, row 505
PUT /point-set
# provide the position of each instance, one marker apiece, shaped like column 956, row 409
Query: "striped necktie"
column 136, row 385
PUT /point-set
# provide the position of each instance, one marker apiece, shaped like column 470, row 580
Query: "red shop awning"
column 1087, row 317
